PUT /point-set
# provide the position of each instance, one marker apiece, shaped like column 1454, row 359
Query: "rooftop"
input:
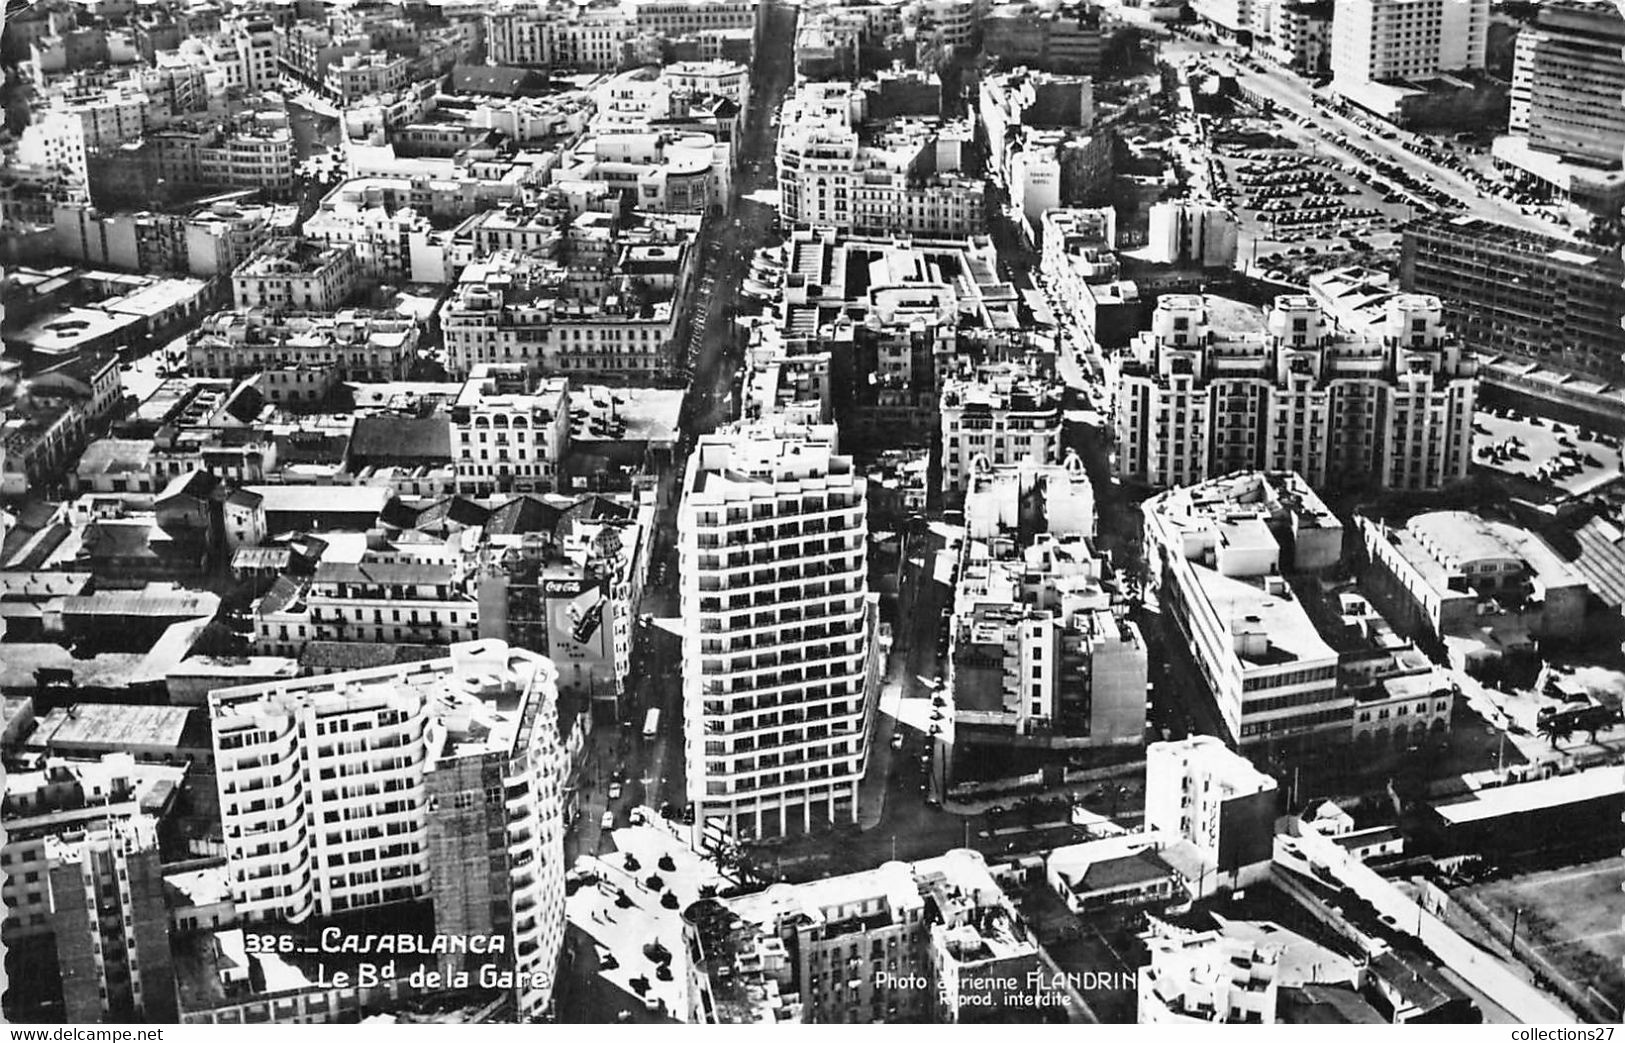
column 1527, row 797
column 100, row 725
column 322, row 499
column 1458, row 538
column 1278, row 620
column 481, row 699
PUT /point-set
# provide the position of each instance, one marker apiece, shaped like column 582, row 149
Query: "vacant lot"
column 1570, row 918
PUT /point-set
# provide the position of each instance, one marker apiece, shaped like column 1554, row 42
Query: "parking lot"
column 1294, row 206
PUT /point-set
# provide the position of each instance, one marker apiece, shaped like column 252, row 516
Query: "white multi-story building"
column 513, row 309
column 509, row 431
column 1187, row 232
column 1001, row 413
column 73, row 126
column 729, row 80
column 1201, row 791
column 907, row 178
column 1382, row 40
column 1039, row 647
column 1004, row 499
column 357, row 345
column 1219, row 552
column 1213, row 387
column 1204, row 977
column 678, row 17
column 437, row 781
column 780, row 653
column 386, row 600
column 1230, row 17
column 294, row 275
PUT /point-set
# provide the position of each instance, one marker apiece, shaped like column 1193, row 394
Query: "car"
column 615, row 791
column 608, row 821
column 897, row 741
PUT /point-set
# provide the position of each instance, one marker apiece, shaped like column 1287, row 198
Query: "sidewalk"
column 872, row 791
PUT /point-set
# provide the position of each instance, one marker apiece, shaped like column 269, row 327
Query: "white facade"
column 71, row 127
column 912, row 181
column 779, row 652
column 1374, row 40
column 365, row 788
column 1198, row 978
column 506, row 309
column 1000, row 415
column 1216, row 552
column 509, row 431
column 1185, row 232
column 1211, row 389
column 292, row 275
column 1187, row 784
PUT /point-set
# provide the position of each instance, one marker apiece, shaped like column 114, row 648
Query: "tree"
column 1557, row 727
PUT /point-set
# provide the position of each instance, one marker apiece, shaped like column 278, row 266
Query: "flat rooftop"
column 1540, row 795
column 480, row 699
column 98, row 725
column 1291, row 635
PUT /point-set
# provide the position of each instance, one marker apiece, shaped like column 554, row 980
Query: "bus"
column 651, row 724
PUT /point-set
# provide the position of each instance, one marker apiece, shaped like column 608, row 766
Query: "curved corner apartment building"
column 436, row 781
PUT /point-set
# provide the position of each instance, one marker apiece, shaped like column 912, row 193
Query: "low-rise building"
column 1206, row 977
column 929, row 941
column 294, row 275
column 1457, row 573
column 351, row 345
column 511, row 309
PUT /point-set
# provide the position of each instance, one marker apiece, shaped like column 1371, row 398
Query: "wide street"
column 652, row 771
column 1290, row 94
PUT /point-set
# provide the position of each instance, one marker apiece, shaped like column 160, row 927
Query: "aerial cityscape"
column 812, row 511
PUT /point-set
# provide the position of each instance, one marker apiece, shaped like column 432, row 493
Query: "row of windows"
column 1291, row 677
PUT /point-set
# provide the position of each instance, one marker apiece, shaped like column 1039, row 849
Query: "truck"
column 651, row 724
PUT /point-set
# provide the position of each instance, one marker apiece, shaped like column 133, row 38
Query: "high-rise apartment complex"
column 111, row 923
column 1514, row 292
column 1213, row 387
column 1378, row 40
column 435, row 781
column 780, row 663
column 1567, row 80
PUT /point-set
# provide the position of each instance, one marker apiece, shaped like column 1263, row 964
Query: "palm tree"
column 1558, row 728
